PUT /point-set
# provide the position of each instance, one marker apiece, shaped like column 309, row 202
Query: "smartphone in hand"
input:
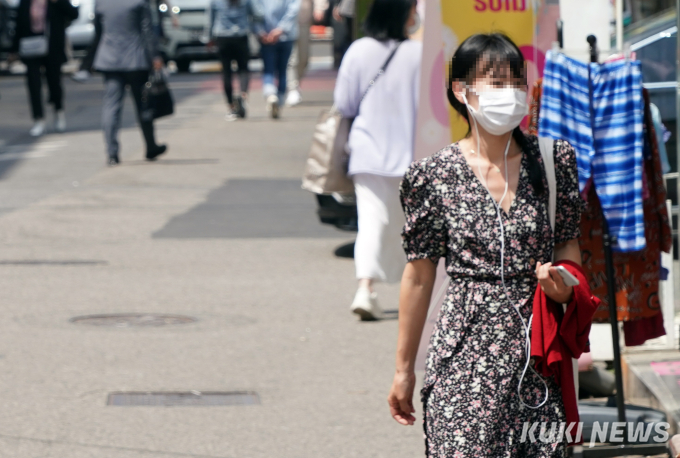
column 568, row 278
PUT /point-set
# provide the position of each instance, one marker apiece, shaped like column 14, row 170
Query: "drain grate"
column 44, row 262
column 184, row 399
column 128, row 320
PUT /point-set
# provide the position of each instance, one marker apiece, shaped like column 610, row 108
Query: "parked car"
column 80, row 33
column 187, row 42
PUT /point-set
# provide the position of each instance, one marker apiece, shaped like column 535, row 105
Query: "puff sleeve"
column 425, row 233
column 570, row 204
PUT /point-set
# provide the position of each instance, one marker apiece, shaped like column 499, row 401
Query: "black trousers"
column 234, row 49
column 114, row 95
column 88, row 61
column 34, row 70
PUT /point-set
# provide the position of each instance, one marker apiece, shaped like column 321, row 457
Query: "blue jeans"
column 275, row 57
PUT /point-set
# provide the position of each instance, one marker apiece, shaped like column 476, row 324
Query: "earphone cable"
column 525, row 326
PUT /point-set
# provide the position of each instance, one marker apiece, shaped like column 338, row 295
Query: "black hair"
column 387, row 19
column 477, row 56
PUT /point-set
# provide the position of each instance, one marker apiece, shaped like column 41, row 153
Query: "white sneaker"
column 273, row 106
column 293, row 98
column 38, row 129
column 80, row 76
column 231, row 116
column 366, row 305
column 60, row 121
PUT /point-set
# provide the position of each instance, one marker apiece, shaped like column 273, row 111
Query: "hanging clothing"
column 655, row 175
column 662, row 135
column 640, row 331
column 535, row 107
column 607, row 135
column 637, row 273
column 558, row 335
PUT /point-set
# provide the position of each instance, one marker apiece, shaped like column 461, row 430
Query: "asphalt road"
column 227, row 280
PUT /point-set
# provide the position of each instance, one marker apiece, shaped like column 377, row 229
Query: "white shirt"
column 382, row 138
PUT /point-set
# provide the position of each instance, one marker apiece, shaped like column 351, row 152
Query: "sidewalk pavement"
column 217, row 230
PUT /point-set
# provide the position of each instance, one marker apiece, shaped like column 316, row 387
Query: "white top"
column 382, row 138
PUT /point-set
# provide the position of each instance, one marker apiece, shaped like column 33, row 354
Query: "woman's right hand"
column 401, row 398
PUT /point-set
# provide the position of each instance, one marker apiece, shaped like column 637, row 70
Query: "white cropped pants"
column 378, row 252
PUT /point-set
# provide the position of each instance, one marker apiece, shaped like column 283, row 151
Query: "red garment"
column 558, row 336
column 640, row 331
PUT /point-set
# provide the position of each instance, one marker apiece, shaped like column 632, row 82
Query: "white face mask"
column 416, row 25
column 500, row 110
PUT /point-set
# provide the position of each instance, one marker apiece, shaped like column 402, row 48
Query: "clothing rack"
column 609, row 242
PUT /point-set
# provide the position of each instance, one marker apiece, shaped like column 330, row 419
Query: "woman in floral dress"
column 482, row 203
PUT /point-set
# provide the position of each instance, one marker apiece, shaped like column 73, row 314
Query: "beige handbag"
column 326, row 169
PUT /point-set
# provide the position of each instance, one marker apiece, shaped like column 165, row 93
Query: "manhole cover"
column 125, row 320
column 188, row 399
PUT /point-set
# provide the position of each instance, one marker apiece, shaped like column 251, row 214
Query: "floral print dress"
column 477, row 350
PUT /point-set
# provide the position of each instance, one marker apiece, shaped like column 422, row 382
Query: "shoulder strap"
column 382, row 71
column 547, row 146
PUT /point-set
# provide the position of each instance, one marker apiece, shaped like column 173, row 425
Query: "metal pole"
column 608, row 241
column 613, row 320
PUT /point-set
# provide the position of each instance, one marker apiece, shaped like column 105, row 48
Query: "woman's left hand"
column 552, row 284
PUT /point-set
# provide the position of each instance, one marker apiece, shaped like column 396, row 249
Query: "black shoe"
column 239, row 107
column 112, row 161
column 156, row 151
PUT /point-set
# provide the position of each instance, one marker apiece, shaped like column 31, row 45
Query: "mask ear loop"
column 526, row 327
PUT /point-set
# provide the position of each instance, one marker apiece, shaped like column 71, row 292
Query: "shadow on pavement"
column 251, row 208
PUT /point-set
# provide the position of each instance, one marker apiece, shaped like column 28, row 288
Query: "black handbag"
column 157, row 97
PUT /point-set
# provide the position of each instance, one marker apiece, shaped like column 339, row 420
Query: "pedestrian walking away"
column 277, row 38
column 48, row 19
column 86, row 64
column 127, row 51
column 230, row 21
column 483, row 205
column 377, row 85
column 299, row 58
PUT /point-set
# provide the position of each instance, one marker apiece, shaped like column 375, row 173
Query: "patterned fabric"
column 608, row 143
column 637, row 274
column 535, row 107
column 477, row 348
